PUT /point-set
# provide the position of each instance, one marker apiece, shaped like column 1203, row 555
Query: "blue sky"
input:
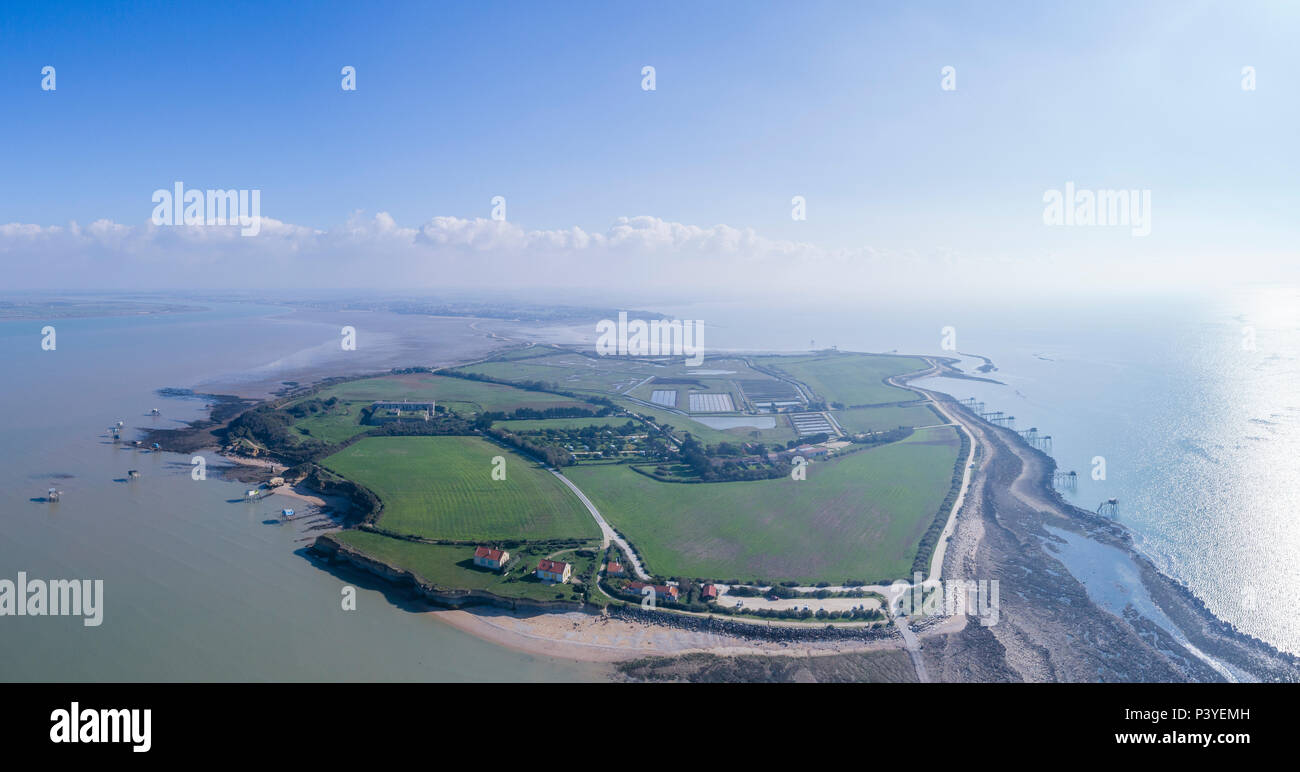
column 755, row 103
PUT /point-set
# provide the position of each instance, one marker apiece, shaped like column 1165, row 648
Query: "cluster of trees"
column 311, row 407
column 726, row 462
column 547, row 454
column 876, row 438
column 270, row 428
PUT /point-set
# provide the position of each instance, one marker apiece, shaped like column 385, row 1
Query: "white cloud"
column 377, row 252
column 643, row 254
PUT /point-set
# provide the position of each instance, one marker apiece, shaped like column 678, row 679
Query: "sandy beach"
column 595, row 638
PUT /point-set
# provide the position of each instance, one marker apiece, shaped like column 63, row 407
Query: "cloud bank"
column 636, row 255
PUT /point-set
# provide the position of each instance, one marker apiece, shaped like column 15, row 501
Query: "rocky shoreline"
column 1050, row 628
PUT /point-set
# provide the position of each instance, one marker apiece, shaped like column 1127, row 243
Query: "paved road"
column 606, row 530
column 913, row 646
column 940, row 548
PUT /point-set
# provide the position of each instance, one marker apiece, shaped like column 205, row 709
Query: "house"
column 613, row 569
column 665, row 591
column 554, row 570
column 709, row 592
column 385, row 412
column 488, row 557
column 811, row 451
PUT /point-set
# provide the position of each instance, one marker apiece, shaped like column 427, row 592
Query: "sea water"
column 198, row 583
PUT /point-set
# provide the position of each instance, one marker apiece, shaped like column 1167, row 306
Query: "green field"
column 851, row 379
column 570, row 371
column 338, row 425
column 452, row 567
column 442, row 488
column 859, row 517
column 875, row 419
column 457, row 393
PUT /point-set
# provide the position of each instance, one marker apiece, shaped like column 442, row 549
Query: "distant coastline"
column 55, row 309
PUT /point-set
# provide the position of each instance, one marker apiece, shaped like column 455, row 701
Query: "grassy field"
column 852, row 379
column 442, row 488
column 570, row 371
column 860, row 516
column 339, row 424
column 872, row 419
column 452, row 567
column 454, row 392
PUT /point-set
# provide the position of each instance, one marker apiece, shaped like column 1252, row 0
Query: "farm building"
column 489, row 557
column 385, row 412
column 554, row 570
column 613, row 569
column 709, row 592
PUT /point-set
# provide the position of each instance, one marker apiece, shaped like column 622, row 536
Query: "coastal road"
column 606, row 529
column 941, row 547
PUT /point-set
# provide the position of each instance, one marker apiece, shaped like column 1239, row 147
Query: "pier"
column 1109, row 508
column 1067, row 480
column 1037, row 441
column 999, row 418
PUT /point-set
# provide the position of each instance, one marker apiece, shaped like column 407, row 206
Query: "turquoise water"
column 195, row 587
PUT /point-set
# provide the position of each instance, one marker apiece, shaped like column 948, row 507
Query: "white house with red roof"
column 554, row 571
column 490, row 557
